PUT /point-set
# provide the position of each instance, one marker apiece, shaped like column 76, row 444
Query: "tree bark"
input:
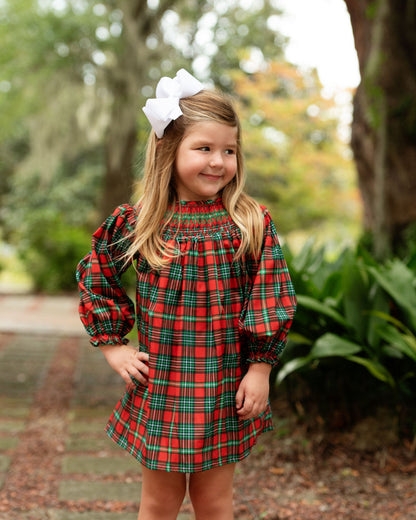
column 384, row 122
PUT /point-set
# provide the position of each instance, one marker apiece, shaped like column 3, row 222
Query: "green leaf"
column 399, row 282
column 375, row 369
column 356, row 297
column 332, row 345
column 315, row 305
column 386, row 317
column 295, row 337
column 379, row 304
column 328, row 345
column 403, row 342
column 388, row 350
column 292, row 366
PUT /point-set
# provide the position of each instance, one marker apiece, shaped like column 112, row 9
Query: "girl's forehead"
column 210, row 129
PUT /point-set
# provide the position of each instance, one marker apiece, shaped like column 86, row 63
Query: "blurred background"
column 326, row 91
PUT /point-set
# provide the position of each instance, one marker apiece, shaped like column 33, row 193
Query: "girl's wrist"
column 260, row 367
column 109, row 347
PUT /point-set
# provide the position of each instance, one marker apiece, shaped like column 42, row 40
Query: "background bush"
column 52, row 252
column 353, row 345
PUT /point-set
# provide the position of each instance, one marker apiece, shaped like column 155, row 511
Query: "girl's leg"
column 211, row 493
column 162, row 494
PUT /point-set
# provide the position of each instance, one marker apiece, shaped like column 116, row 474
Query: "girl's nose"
column 216, row 160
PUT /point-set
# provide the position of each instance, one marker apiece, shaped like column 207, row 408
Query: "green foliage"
column 353, row 310
column 399, row 282
column 48, row 222
column 52, row 253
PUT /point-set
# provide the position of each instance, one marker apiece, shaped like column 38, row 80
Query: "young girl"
column 214, row 304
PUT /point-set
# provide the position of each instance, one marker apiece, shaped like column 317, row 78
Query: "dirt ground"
column 302, row 472
column 296, row 472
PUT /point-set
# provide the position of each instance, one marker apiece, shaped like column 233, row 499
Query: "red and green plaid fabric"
column 202, row 318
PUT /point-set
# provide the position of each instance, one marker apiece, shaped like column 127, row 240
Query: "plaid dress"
column 202, row 318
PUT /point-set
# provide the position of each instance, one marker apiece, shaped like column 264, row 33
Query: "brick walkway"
column 56, row 393
column 37, row 314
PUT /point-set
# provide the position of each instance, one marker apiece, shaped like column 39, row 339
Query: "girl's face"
column 206, row 161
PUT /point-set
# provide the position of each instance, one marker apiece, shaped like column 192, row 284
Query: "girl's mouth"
column 211, row 176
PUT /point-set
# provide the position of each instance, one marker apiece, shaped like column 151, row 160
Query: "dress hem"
column 212, row 465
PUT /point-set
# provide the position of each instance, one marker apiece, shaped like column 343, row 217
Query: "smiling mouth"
column 211, row 176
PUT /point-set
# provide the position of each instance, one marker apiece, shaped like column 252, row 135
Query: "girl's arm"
column 105, row 308
column 265, row 322
column 253, row 392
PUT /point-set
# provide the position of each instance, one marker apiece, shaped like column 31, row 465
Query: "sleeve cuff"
column 262, row 357
column 108, row 339
column 262, row 352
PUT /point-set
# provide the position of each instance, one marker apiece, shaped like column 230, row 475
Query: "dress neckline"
column 185, row 206
column 207, row 202
column 197, row 218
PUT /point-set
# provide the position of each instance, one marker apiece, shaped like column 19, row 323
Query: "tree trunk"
column 120, row 144
column 384, row 123
column 124, row 79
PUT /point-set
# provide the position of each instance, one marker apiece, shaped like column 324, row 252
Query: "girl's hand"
column 253, row 392
column 128, row 362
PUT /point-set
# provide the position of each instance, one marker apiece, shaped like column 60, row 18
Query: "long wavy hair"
column 158, row 186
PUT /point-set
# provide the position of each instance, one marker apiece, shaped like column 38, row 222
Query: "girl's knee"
column 162, row 494
column 211, row 492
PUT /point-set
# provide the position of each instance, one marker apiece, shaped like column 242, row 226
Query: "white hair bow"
column 163, row 109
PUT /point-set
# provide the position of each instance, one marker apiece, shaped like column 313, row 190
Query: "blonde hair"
column 159, row 193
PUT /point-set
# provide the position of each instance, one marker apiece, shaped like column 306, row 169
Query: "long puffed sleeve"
column 270, row 304
column 105, row 309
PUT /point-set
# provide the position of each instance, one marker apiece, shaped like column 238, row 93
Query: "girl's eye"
column 230, row 152
column 204, row 148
